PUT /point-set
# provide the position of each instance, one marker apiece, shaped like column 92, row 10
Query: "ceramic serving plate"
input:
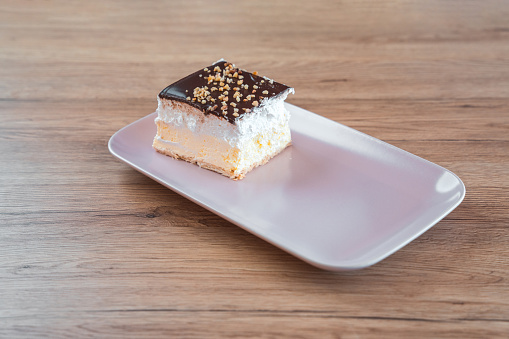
column 337, row 198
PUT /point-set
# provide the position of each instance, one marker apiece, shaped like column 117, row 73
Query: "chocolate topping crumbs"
column 218, row 76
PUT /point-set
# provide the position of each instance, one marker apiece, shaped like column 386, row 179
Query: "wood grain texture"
column 91, row 248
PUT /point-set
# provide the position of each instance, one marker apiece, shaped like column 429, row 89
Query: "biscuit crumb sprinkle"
column 232, row 92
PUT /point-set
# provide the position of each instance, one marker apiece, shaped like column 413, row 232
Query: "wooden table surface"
column 91, row 248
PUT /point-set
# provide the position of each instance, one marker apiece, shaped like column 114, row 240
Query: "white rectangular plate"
column 337, row 198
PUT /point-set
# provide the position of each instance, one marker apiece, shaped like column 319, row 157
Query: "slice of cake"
column 224, row 119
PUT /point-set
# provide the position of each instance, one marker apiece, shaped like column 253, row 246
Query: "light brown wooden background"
column 91, row 248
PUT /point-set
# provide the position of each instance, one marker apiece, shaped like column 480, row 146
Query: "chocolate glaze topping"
column 224, row 90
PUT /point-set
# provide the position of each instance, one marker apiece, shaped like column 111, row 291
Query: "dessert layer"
column 211, row 142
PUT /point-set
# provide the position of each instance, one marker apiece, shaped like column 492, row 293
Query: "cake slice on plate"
column 224, row 119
